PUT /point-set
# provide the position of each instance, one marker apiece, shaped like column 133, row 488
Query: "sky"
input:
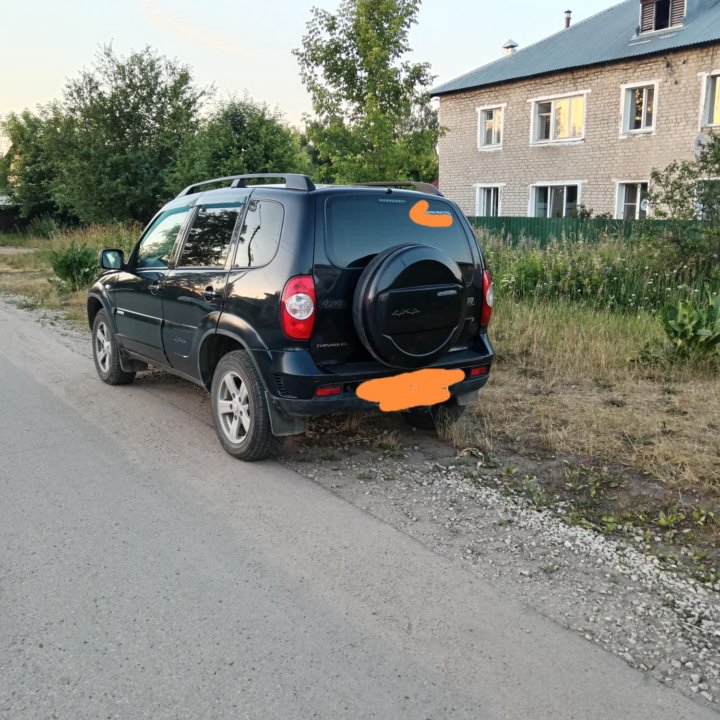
column 243, row 46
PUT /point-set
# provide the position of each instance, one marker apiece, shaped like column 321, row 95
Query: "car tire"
column 239, row 409
column 106, row 352
column 434, row 417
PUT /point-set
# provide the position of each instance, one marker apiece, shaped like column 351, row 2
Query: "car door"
column 138, row 298
column 193, row 291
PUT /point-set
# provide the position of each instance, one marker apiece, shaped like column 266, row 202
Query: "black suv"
column 281, row 299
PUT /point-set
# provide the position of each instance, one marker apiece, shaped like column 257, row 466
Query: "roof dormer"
column 661, row 14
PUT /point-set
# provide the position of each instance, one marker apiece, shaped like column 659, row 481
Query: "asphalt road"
column 146, row 574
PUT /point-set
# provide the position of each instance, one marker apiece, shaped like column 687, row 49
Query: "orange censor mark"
column 420, row 216
column 422, row 387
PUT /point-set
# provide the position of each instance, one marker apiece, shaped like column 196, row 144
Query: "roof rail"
column 293, row 181
column 419, row 186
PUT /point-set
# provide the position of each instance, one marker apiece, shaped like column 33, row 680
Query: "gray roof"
column 609, row 36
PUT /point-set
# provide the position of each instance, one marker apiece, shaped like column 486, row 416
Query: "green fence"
column 543, row 230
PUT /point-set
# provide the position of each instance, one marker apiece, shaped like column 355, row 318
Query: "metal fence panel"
column 542, row 231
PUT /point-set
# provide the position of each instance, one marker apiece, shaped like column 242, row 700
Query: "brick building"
column 583, row 116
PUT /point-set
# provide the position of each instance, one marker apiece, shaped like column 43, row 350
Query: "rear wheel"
column 240, row 414
column 106, row 353
column 435, row 416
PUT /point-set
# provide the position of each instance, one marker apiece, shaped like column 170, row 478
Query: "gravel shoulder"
column 608, row 591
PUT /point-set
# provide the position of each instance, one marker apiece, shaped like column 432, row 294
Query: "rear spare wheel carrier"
column 409, row 305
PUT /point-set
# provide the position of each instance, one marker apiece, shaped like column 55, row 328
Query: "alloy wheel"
column 233, row 407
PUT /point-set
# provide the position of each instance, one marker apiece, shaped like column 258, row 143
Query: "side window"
column 208, row 241
column 156, row 247
column 260, row 233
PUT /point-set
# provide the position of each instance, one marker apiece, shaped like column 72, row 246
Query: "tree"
column 241, row 136
column 29, row 166
column 4, row 171
column 123, row 123
column 687, row 196
column 373, row 118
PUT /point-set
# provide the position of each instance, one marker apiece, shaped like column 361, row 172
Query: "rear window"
column 361, row 226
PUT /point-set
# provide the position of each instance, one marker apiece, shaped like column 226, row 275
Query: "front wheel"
column 106, row 353
column 434, row 416
column 240, row 414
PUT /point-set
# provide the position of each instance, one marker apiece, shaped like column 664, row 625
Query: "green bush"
column 693, row 328
column 75, row 265
column 43, row 226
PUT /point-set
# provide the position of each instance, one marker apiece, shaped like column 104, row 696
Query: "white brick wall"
column 602, row 158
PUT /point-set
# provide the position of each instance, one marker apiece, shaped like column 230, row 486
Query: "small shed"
column 10, row 220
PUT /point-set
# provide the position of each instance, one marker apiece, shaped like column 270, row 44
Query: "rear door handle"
column 155, row 287
column 209, row 294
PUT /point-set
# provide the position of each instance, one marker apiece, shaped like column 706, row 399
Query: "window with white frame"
column 711, row 111
column 554, row 201
column 632, row 201
column 559, row 119
column 639, row 102
column 661, row 14
column 487, row 202
column 490, row 126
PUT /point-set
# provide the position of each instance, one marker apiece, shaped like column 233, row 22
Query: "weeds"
column 613, row 274
column 75, row 267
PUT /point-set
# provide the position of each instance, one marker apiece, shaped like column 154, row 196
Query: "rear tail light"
column 297, row 307
column 478, row 371
column 487, row 307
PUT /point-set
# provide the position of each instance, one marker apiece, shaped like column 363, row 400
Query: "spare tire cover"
column 409, row 305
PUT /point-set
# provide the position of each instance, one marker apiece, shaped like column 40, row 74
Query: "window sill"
column 489, row 148
column 649, row 34
column 635, row 133
column 545, row 143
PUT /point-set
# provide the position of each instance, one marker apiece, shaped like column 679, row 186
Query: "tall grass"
column 97, row 237
column 612, row 274
column 564, row 337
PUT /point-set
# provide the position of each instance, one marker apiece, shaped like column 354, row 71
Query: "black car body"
column 315, row 289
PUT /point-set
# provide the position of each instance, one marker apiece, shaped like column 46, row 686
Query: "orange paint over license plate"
column 412, row 389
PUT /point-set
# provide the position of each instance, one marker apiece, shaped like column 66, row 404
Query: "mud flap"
column 280, row 424
column 130, row 365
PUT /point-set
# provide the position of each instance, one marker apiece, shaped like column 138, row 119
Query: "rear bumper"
column 293, row 378
column 349, row 402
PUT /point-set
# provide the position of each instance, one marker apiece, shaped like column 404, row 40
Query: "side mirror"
column 112, row 259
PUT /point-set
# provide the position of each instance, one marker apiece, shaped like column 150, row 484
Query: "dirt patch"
column 9, row 250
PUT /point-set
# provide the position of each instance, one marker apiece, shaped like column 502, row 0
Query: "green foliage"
column 687, row 195
column 693, row 328
column 29, row 167
column 75, row 265
column 106, row 150
column 611, row 274
column 122, row 125
column 4, row 171
column 373, row 117
column 44, row 226
column 241, row 136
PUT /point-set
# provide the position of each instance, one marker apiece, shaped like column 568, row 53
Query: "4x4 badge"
column 405, row 311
